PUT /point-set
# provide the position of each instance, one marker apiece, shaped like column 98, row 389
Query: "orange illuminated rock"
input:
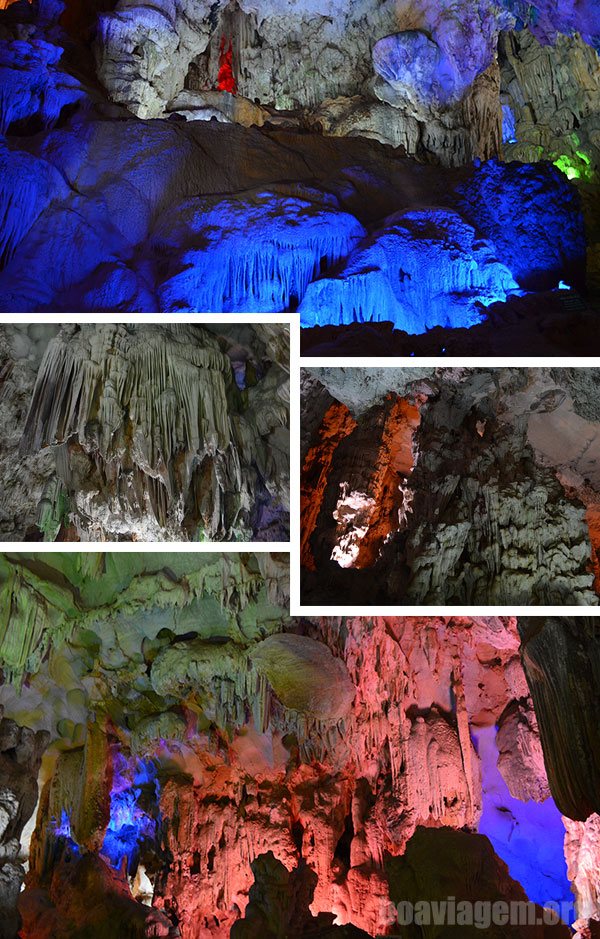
column 593, row 519
column 394, row 464
column 374, row 500
column 337, row 424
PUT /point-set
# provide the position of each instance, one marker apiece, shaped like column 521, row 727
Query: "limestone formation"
column 21, row 752
column 560, row 658
column 346, row 141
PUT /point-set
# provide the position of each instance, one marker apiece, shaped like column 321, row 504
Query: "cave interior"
column 181, row 756
column 422, row 174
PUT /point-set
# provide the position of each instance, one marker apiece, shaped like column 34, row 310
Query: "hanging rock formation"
column 560, row 657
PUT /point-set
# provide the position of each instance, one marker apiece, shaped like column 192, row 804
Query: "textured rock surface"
column 300, row 55
column 552, row 92
column 21, row 752
column 165, row 227
column 489, row 508
column 582, row 850
column 550, row 97
column 422, row 75
column 147, row 226
column 145, row 433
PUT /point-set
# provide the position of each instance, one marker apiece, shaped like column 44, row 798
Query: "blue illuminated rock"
column 425, row 268
column 252, row 254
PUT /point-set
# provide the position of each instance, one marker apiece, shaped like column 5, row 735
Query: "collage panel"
column 449, row 486
column 145, row 432
column 411, row 177
column 181, row 756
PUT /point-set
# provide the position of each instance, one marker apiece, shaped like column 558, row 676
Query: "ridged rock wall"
column 560, row 657
column 550, row 96
column 553, row 95
column 488, row 520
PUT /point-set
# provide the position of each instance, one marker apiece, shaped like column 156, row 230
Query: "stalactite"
column 294, row 240
column 33, row 614
column 171, row 442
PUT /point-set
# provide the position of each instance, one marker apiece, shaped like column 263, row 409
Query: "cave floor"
column 549, row 324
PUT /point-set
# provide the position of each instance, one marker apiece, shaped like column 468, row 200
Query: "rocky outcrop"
column 480, row 877
column 560, row 657
column 147, row 433
column 21, row 751
column 279, row 905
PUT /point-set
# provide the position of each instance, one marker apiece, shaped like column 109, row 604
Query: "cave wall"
column 21, row 752
column 213, row 765
column 416, row 76
column 146, row 224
